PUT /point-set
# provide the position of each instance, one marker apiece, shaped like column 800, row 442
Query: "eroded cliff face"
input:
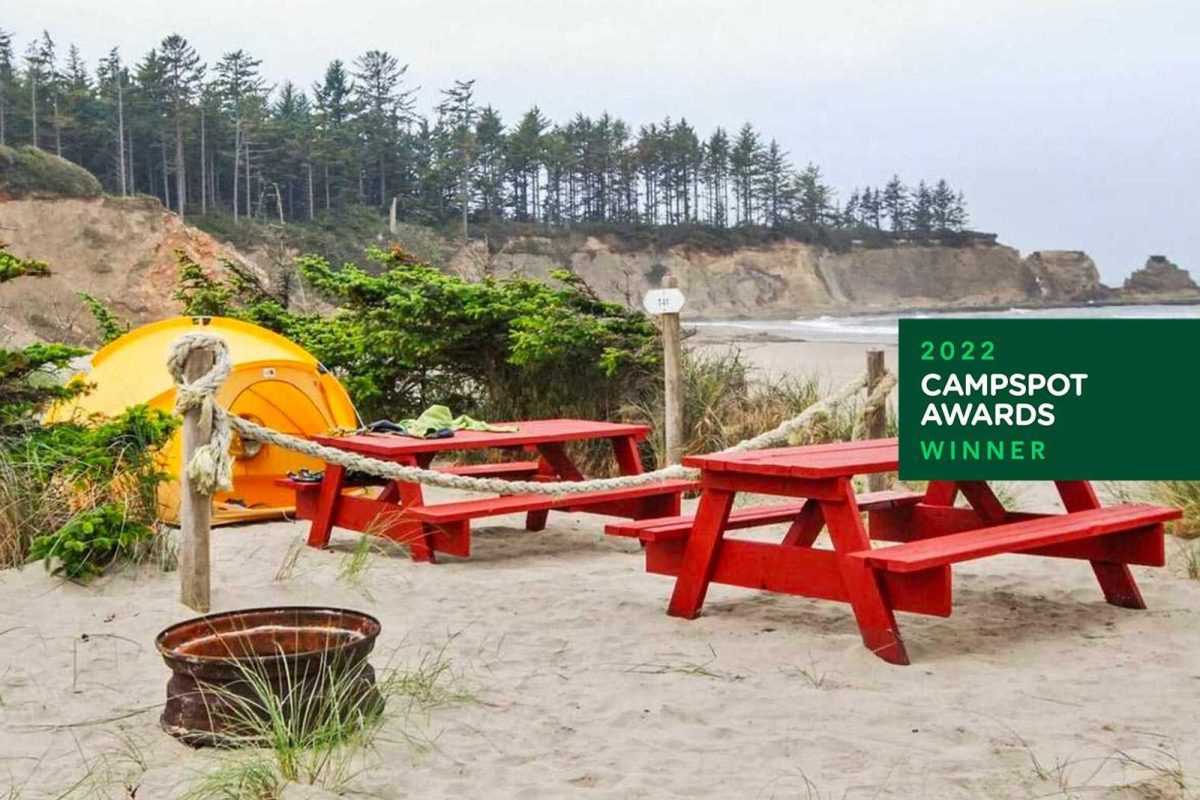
column 780, row 280
column 121, row 250
column 1160, row 275
column 1066, row 276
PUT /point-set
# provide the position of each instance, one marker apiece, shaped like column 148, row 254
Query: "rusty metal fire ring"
column 290, row 648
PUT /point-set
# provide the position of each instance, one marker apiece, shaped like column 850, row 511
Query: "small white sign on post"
column 663, row 301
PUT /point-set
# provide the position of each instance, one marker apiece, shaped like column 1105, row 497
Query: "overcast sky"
column 1069, row 124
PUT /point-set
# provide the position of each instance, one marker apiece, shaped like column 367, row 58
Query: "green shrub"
column 91, row 541
column 12, row 267
column 84, row 495
column 31, row 172
column 410, row 336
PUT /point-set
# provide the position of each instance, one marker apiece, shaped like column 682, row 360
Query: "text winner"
column 1021, row 401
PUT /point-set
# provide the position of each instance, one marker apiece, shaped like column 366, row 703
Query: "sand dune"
column 584, row 687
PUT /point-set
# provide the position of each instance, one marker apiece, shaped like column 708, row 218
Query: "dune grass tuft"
column 1183, row 495
column 724, row 403
column 240, row 777
column 319, row 727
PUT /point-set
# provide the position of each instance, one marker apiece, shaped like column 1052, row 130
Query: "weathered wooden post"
column 195, row 508
column 876, row 421
column 672, row 397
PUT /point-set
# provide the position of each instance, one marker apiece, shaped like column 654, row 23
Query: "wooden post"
column 195, row 509
column 672, row 400
column 876, row 422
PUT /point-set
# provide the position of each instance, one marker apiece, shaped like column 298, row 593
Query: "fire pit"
column 234, row 670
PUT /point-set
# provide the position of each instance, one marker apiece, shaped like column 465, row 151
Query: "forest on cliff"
column 217, row 137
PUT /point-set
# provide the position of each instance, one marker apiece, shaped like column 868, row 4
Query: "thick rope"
column 212, row 468
column 874, row 403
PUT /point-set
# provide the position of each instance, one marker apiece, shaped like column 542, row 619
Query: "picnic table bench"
column 931, row 532
column 397, row 509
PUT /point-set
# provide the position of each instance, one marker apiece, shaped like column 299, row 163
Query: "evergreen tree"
column 234, row 143
column 386, row 107
column 524, row 153
column 490, row 163
column 181, row 75
column 922, row 208
column 813, row 197
column 942, row 206
column 7, row 83
column 895, row 204
column 241, row 91
column 745, row 161
column 775, row 191
column 716, row 165
column 336, row 109
column 457, row 113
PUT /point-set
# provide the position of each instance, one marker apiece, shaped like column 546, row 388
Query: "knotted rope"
column 211, row 468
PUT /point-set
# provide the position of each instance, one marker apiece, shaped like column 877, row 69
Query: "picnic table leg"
column 983, row 500
column 806, row 527
column 556, row 464
column 1116, row 580
column 876, row 621
column 940, row 493
column 629, row 461
column 700, row 553
column 332, row 483
column 416, row 535
column 536, row 520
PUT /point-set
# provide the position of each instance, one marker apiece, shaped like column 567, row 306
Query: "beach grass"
column 724, row 403
column 286, row 732
column 240, row 777
column 1184, row 495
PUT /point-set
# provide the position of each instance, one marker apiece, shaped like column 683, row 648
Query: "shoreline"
column 946, row 309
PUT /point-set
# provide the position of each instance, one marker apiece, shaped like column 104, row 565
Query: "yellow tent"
column 274, row 382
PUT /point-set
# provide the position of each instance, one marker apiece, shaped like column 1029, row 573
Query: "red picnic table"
column 398, row 511
column 912, row 576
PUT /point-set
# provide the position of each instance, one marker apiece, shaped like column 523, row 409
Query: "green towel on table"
column 439, row 418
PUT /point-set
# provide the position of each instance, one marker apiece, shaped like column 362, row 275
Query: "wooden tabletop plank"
column 1016, row 536
column 532, row 432
column 807, row 461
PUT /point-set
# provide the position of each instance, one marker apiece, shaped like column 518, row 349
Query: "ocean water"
column 884, row 328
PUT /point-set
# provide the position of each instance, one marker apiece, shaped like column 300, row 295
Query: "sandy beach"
column 577, row 684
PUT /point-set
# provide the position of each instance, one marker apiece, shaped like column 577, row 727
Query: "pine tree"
column 385, row 107
column 922, row 208
column 958, row 216
column 336, row 110
column 813, row 197
column 850, row 212
column 523, row 162
column 7, row 83
column 358, row 139
column 942, row 206
column 774, row 184
column 35, row 75
column 716, row 174
column 490, row 163
column 895, row 204
column 457, row 112
column 241, row 91
column 182, row 73
column 745, row 159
